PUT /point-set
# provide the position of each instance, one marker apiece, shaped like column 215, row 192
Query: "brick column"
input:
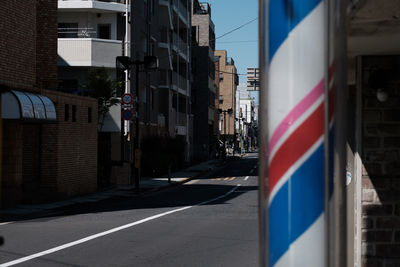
column 381, row 170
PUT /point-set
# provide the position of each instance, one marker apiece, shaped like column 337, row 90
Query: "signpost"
column 127, row 114
column 127, row 99
column 127, row 106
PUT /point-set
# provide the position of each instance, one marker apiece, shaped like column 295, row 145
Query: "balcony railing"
column 109, row 1
column 89, row 52
column 92, row 5
column 180, row 44
column 176, row 78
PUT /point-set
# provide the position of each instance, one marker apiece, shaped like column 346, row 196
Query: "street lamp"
column 149, row 63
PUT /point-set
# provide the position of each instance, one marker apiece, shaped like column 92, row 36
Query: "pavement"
column 146, row 185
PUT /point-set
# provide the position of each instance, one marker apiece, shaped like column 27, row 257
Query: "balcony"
column 181, row 10
column 180, row 45
column 179, row 82
column 96, row 6
column 88, row 52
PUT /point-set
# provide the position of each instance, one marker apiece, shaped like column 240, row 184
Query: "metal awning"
column 18, row 105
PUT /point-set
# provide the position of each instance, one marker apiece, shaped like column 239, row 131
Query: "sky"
column 242, row 44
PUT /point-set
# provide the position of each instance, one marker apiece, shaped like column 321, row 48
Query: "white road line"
column 5, row 223
column 247, row 177
column 113, row 230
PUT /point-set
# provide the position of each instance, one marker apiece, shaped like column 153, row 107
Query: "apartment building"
column 90, row 36
column 49, row 137
column 174, row 91
column 204, row 91
column 227, row 94
column 253, row 79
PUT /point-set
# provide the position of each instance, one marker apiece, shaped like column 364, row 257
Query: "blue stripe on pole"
column 306, row 205
column 284, row 15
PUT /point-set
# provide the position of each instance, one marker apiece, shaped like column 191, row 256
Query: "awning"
column 27, row 106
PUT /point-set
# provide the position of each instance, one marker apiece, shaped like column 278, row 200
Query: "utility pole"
column 149, row 63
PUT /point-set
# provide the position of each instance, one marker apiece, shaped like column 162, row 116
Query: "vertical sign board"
column 297, row 124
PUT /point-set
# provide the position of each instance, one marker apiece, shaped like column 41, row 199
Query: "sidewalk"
column 146, row 185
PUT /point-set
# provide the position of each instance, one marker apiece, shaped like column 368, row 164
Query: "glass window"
column 104, row 31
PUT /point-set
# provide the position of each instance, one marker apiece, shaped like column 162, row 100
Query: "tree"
column 104, row 89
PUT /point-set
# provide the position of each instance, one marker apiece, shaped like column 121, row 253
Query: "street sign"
column 127, row 114
column 127, row 98
column 127, row 106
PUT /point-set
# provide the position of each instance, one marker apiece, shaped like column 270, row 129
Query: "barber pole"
column 297, row 110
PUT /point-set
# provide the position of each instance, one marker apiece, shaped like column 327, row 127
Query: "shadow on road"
column 176, row 196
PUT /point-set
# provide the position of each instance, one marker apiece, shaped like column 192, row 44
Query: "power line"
column 237, row 28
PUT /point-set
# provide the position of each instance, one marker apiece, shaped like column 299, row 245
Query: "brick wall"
column 225, row 90
column 381, row 172
column 17, row 43
column 42, row 161
column 12, row 163
column 46, row 43
column 75, row 146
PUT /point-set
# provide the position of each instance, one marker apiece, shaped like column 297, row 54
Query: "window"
column 66, row 112
column 74, row 113
column 104, row 31
column 67, row 30
column 89, row 115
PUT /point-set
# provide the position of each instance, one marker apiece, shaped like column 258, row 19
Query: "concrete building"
column 90, row 36
column 204, row 93
column 49, row 137
column 173, row 38
column 246, row 118
column 227, row 94
column 253, row 79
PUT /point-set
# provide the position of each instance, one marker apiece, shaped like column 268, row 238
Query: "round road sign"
column 127, row 114
column 127, row 98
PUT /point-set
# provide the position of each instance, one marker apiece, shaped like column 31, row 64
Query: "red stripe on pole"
column 296, row 145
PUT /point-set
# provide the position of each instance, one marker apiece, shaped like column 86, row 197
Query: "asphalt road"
column 210, row 221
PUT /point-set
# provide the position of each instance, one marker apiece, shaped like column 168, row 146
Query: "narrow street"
column 209, row 221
